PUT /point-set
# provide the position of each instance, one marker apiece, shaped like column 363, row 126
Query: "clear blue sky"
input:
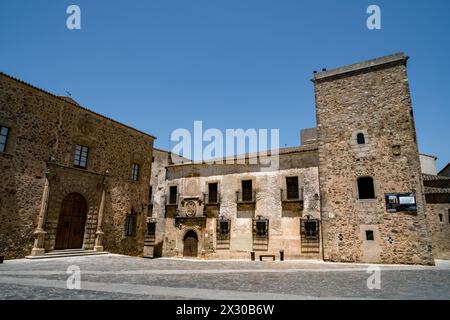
column 160, row 65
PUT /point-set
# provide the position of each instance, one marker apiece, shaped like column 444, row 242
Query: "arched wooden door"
column 72, row 221
column 190, row 244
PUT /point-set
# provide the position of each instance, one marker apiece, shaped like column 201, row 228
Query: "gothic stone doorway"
column 72, row 221
column 190, row 244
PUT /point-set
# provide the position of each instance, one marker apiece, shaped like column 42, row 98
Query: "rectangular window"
column 247, row 190
column 150, row 194
column 369, row 235
column 292, row 188
column 81, row 156
column 223, row 234
column 311, row 229
column 151, row 231
column 135, row 172
column 366, row 188
column 173, row 195
column 130, row 224
column 4, row 132
column 212, row 193
column 309, row 232
column 260, row 234
column 261, row 230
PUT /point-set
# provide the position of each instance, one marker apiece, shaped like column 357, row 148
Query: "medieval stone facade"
column 363, row 155
column 353, row 191
column 367, row 140
column 208, row 202
column 437, row 195
column 66, row 176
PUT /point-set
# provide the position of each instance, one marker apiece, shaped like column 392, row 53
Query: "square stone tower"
column 371, row 190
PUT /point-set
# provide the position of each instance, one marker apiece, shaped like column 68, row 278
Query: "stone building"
column 437, row 195
column 371, row 188
column 354, row 190
column 227, row 211
column 445, row 171
column 428, row 164
column 70, row 178
column 359, row 186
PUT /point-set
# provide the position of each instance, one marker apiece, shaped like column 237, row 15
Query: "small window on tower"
column 369, row 235
column 441, row 217
column 366, row 189
column 360, row 138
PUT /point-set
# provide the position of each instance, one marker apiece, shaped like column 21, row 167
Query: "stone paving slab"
column 121, row 277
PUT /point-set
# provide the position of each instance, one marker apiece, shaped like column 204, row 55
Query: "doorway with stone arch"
column 71, row 223
column 190, row 241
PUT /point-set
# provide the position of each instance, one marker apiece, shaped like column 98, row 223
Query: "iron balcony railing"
column 172, row 199
column 223, row 233
column 212, row 199
column 246, row 197
column 291, row 195
column 260, row 234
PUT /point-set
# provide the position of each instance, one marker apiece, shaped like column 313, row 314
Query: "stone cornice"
column 357, row 67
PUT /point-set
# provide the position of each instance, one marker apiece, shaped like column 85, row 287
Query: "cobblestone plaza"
column 121, row 277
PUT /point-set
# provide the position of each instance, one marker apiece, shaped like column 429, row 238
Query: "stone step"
column 67, row 253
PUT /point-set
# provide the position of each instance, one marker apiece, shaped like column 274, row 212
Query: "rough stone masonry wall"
column 375, row 101
column 42, row 126
column 440, row 230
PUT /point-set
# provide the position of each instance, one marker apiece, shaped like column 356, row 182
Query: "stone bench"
column 266, row 256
